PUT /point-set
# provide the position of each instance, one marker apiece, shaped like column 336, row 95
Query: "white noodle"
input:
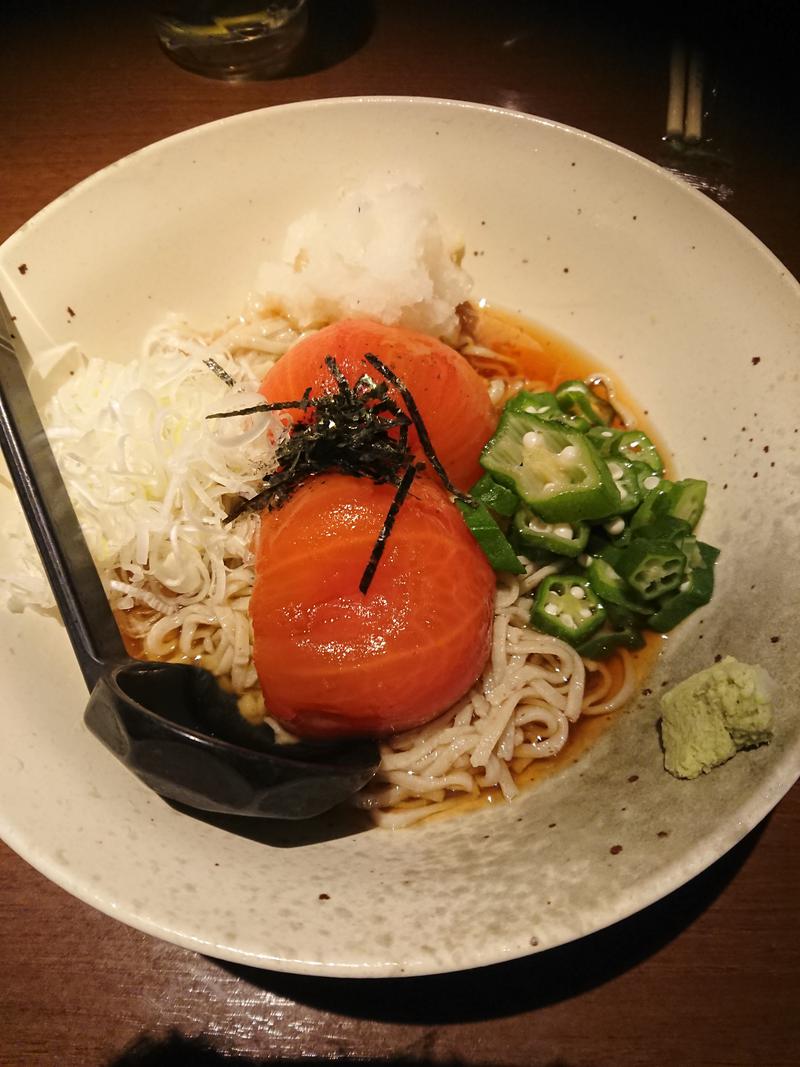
column 625, row 416
column 531, row 690
column 596, row 705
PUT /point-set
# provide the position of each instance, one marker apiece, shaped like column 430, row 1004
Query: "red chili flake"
column 755, row 360
column 615, row 850
column 23, row 268
column 634, row 778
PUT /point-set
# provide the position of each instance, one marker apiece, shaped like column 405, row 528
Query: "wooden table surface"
column 711, row 975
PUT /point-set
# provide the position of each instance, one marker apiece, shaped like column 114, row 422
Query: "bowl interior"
column 672, row 296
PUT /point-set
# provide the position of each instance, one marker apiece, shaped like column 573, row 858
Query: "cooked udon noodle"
column 533, row 689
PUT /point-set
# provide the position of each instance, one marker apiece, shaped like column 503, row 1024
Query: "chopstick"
column 685, row 102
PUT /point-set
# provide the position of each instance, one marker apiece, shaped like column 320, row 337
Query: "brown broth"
column 582, row 736
column 537, row 354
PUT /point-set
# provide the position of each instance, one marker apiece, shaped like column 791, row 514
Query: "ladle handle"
column 70, row 569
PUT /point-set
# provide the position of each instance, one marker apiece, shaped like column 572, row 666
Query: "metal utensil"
column 169, row 723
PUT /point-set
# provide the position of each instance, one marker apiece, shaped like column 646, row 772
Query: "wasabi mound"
column 714, row 714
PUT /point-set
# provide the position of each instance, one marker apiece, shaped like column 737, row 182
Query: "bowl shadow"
column 180, row 1050
column 335, row 32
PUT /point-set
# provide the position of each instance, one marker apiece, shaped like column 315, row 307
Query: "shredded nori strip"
column 386, row 529
column 358, row 430
column 282, row 405
column 419, row 426
column 219, row 371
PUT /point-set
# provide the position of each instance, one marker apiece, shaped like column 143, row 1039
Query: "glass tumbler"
column 232, row 39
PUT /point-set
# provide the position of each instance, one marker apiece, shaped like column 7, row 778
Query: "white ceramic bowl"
column 669, row 292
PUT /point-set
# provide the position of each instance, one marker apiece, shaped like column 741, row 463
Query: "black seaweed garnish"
column 283, row 405
column 220, row 371
column 419, row 426
column 358, row 430
column 388, row 523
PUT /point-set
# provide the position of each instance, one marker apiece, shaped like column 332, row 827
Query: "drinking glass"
column 233, row 39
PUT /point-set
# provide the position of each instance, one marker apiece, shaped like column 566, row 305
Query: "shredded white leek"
column 151, row 479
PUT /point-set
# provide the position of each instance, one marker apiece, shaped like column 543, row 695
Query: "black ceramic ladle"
column 169, row 723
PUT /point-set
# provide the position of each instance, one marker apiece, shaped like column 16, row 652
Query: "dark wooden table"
column 711, row 975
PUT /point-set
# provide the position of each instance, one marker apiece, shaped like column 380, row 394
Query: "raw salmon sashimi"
column 452, row 398
column 333, row 662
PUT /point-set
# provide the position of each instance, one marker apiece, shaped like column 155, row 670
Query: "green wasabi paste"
column 712, row 715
